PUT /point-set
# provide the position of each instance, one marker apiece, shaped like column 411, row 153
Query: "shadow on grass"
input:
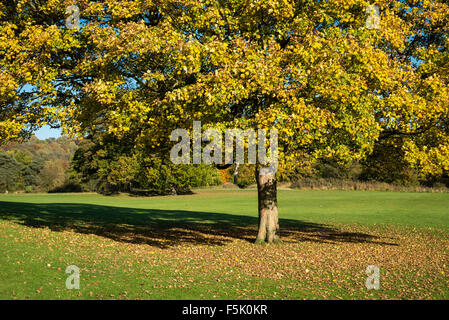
column 165, row 228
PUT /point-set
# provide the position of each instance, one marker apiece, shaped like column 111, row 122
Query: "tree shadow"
column 166, row 228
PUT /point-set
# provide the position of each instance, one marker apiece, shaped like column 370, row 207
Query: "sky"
column 44, row 132
column 47, row 132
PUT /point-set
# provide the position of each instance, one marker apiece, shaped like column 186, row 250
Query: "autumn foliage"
column 141, row 68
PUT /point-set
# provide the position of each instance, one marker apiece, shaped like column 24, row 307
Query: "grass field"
column 200, row 246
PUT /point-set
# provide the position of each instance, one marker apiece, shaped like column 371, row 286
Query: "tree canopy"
column 310, row 68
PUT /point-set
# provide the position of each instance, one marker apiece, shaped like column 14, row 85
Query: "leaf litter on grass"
column 413, row 264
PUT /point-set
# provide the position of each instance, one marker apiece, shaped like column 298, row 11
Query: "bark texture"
column 236, row 174
column 268, row 208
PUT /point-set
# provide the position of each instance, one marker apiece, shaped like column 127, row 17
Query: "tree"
column 53, row 174
column 332, row 86
column 30, row 174
column 9, row 171
column 387, row 164
column 110, row 165
column 34, row 154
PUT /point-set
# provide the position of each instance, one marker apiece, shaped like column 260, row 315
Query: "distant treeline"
column 384, row 169
column 94, row 165
column 100, row 163
column 35, row 165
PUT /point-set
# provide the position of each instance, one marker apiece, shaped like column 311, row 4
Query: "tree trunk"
column 236, row 174
column 268, row 208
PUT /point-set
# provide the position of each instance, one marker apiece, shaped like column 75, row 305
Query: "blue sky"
column 47, row 132
column 44, row 132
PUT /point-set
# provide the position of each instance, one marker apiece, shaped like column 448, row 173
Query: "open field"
column 200, row 246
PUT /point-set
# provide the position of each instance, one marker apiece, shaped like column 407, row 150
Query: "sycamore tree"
column 333, row 77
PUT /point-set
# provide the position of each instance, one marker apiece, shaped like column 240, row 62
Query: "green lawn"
column 200, row 246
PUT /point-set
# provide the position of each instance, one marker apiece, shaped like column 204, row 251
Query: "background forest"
column 100, row 163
